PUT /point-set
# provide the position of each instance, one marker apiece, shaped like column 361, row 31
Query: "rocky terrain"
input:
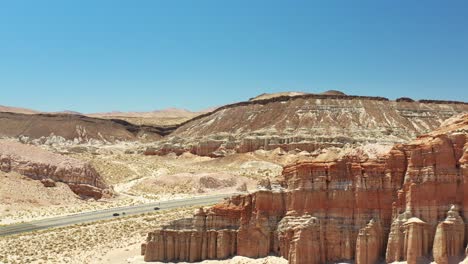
column 306, row 122
column 335, row 149
column 410, row 205
column 166, row 177
column 50, row 168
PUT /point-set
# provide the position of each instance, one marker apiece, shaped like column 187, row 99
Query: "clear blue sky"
column 93, row 56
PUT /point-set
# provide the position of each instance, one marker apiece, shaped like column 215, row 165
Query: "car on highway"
column 156, row 208
column 115, row 214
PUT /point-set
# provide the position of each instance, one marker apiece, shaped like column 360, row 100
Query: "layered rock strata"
column 306, row 122
column 40, row 164
column 408, row 205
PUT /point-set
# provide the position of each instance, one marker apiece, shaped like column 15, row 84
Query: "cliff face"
column 408, row 205
column 306, row 122
column 40, row 164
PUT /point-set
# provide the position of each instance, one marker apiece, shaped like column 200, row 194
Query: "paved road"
column 108, row 214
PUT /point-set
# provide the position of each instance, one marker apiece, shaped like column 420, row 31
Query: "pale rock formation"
column 40, row 164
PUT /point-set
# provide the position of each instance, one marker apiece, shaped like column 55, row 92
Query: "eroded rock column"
column 449, row 238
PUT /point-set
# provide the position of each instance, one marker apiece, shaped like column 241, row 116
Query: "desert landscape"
column 358, row 183
column 233, row 132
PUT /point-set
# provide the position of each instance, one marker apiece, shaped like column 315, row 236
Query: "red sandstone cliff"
column 40, row 164
column 408, row 205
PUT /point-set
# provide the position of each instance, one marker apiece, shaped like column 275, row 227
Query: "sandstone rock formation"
column 449, row 238
column 306, row 122
column 42, row 165
column 408, row 205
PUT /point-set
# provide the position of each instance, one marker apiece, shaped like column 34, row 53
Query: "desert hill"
column 74, row 127
column 19, row 110
column 164, row 117
column 306, row 122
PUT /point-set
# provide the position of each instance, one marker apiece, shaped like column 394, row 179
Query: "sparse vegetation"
column 82, row 243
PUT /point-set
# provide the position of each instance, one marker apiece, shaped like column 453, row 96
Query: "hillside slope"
column 307, row 122
column 74, row 127
column 18, row 110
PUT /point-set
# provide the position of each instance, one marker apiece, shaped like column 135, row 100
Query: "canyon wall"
column 408, row 205
column 40, row 164
column 306, row 122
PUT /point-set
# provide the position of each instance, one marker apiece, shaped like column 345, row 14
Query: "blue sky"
column 94, row 56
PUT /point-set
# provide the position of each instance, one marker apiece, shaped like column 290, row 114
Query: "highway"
column 109, row 214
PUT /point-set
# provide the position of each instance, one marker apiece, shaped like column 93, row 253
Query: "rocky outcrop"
column 408, row 240
column 408, row 205
column 369, row 243
column 48, row 167
column 449, row 238
column 48, row 182
column 306, row 122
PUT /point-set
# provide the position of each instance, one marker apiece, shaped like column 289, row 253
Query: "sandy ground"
column 86, row 243
column 23, row 199
column 107, row 242
column 234, row 260
column 156, row 177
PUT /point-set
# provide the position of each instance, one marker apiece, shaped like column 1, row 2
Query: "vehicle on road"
column 116, row 214
column 156, row 208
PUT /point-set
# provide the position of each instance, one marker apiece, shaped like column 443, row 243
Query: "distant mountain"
column 265, row 96
column 168, row 112
column 164, row 117
column 70, row 112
